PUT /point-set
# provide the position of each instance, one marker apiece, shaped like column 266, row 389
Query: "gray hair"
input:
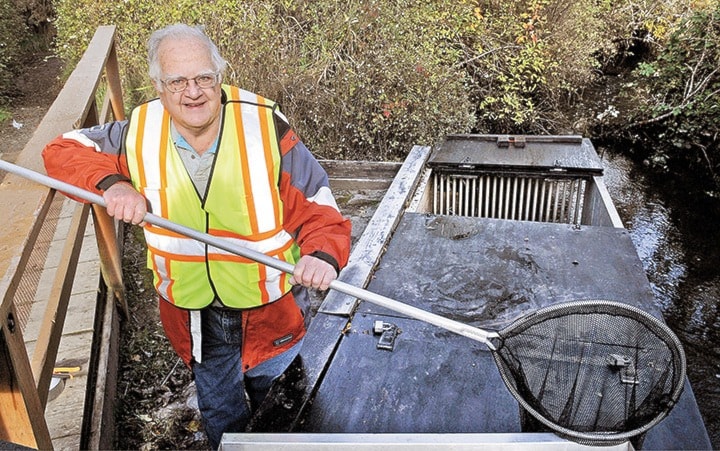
column 180, row 31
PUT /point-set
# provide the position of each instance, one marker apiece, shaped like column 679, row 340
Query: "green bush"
column 529, row 56
column 358, row 79
column 13, row 35
column 367, row 79
column 677, row 96
column 532, row 61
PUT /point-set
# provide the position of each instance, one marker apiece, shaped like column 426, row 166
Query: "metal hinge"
column 388, row 333
column 626, row 368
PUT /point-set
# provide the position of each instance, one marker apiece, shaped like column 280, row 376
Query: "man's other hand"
column 313, row 273
column 124, row 203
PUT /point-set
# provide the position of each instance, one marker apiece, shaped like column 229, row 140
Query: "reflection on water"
column 656, row 239
column 677, row 237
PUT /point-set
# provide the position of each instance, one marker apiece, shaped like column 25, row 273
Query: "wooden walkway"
column 51, row 282
column 64, row 411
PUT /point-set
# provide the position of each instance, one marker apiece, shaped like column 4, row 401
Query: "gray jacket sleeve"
column 108, row 138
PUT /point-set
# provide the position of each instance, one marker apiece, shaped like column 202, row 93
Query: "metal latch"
column 388, row 333
column 504, row 141
column 557, row 167
column 628, row 374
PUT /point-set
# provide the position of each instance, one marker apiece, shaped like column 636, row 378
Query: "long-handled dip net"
column 597, row 372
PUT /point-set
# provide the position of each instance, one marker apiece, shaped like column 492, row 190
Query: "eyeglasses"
column 204, row 81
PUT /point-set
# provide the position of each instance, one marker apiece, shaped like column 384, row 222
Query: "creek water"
column 677, row 235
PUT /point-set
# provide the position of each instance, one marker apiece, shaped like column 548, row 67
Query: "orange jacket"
column 86, row 157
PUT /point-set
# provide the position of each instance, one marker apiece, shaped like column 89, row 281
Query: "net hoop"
column 595, row 306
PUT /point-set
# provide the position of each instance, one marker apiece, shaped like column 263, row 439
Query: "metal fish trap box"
column 480, row 229
column 556, row 179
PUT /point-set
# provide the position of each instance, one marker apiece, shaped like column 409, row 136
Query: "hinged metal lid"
column 569, row 153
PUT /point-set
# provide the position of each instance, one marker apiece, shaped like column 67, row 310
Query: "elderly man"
column 223, row 161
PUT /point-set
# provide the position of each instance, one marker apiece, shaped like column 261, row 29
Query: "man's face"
column 194, row 110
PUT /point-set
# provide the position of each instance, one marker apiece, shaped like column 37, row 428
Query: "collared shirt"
column 198, row 166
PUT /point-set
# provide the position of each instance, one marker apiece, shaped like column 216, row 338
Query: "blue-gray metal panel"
column 486, row 272
column 489, row 272
column 571, row 153
column 433, row 381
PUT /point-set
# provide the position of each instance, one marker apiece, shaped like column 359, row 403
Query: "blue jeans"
column 226, row 396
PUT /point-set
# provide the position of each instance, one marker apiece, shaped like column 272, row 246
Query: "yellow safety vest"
column 242, row 205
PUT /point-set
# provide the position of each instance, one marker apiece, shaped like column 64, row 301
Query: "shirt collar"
column 180, row 141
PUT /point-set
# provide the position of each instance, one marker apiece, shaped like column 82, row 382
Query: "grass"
column 4, row 115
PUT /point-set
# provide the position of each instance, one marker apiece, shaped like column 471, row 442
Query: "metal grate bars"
column 516, row 197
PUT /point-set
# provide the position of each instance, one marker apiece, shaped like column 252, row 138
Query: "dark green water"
column 677, row 236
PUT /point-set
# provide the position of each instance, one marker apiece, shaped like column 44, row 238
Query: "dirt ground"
column 34, row 92
column 155, row 396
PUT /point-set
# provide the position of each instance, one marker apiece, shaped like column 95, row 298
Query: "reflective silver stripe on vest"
column 189, row 247
column 257, row 162
column 161, row 267
column 196, row 335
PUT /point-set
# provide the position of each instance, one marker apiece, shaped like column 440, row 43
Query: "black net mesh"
column 593, row 370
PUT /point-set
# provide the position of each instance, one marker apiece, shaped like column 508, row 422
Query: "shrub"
column 370, row 78
column 526, row 57
column 677, row 95
column 13, row 35
column 358, row 79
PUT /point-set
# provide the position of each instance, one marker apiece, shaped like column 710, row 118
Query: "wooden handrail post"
column 19, row 401
column 112, row 72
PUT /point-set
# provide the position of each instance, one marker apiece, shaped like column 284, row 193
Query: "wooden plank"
column 359, row 184
column 370, row 246
column 65, row 415
column 19, row 401
column 99, row 425
column 48, row 340
column 348, row 169
column 16, row 429
column 110, row 259
column 347, row 175
column 85, row 282
column 112, row 73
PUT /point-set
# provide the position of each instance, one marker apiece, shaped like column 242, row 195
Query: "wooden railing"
column 24, row 378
